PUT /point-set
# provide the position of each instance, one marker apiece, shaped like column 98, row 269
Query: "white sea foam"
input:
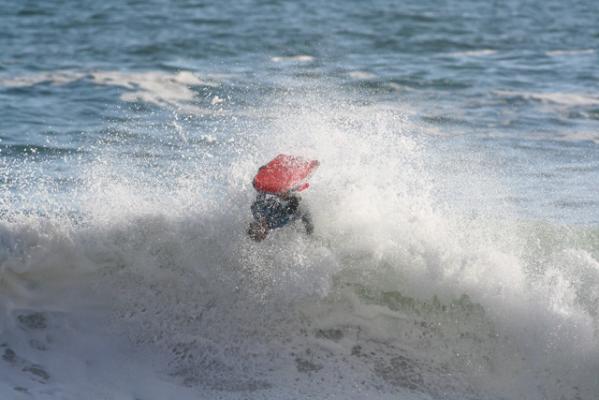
column 559, row 98
column 570, row 52
column 154, row 291
column 154, row 87
column 474, row 53
column 55, row 78
column 578, row 136
column 300, row 58
column 216, row 100
column 208, row 139
column 361, row 75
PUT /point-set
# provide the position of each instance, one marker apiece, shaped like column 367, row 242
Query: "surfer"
column 277, row 203
column 272, row 211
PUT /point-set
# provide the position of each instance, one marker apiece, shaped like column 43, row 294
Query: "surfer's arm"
column 258, row 206
column 293, row 204
column 307, row 220
column 293, row 208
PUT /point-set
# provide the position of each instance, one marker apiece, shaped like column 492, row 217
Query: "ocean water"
column 456, row 251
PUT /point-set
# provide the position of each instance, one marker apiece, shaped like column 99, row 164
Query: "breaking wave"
column 143, row 284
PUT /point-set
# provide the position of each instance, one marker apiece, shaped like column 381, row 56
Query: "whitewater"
column 142, row 284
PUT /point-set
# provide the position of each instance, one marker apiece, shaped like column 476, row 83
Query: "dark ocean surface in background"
column 459, row 149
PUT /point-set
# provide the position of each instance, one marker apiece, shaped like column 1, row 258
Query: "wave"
column 570, row 52
column 474, row 53
column 361, row 75
column 300, row 58
column 159, row 88
column 151, row 288
column 579, row 136
column 559, row 98
column 428, row 314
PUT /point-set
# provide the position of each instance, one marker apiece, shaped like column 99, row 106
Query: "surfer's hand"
column 307, row 220
column 293, row 204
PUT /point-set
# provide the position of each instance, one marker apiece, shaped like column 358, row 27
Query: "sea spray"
column 400, row 292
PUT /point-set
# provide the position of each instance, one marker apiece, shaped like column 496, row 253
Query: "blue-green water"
column 459, row 149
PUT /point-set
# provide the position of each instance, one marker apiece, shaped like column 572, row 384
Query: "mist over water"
column 456, row 250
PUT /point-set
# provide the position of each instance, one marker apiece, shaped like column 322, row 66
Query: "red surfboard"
column 284, row 173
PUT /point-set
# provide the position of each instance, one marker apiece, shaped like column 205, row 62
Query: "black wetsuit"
column 276, row 212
